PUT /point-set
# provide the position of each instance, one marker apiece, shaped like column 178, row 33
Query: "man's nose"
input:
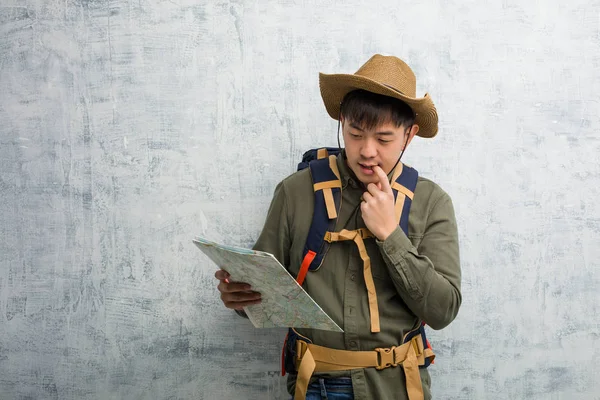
column 368, row 148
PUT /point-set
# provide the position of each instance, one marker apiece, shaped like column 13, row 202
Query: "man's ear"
column 411, row 134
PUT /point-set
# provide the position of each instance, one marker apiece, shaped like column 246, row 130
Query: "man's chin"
column 366, row 179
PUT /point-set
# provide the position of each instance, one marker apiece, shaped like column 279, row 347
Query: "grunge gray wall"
column 127, row 128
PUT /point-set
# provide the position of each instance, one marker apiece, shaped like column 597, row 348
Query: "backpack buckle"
column 386, row 358
column 417, row 345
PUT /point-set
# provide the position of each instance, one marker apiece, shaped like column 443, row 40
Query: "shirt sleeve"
column 275, row 236
column 428, row 278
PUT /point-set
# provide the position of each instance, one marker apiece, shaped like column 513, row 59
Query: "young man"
column 379, row 280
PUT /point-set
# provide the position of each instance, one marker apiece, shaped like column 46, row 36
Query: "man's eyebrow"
column 355, row 126
column 382, row 133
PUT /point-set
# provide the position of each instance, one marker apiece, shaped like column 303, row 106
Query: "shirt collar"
column 347, row 176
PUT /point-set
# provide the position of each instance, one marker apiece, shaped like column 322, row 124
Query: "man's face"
column 379, row 146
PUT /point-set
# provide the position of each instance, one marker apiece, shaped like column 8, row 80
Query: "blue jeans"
column 330, row 389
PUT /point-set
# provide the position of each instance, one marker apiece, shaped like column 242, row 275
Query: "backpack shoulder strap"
column 314, row 154
column 404, row 183
column 327, row 187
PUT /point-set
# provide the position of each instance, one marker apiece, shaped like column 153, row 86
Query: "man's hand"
column 235, row 295
column 378, row 207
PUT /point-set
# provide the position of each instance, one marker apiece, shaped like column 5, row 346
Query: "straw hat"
column 386, row 75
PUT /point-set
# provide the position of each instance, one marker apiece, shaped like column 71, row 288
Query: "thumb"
column 221, row 275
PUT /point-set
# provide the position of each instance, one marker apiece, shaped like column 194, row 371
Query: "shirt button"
column 352, row 277
column 352, row 343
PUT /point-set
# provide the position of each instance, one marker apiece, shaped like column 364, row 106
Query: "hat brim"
column 335, row 86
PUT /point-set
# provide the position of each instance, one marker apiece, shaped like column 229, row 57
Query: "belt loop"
column 323, row 389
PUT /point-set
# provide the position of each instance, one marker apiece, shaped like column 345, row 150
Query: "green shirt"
column 417, row 278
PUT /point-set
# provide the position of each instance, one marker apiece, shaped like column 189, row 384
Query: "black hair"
column 369, row 110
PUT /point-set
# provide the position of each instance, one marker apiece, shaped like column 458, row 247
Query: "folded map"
column 284, row 301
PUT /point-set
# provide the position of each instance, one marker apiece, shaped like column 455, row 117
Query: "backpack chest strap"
column 357, row 237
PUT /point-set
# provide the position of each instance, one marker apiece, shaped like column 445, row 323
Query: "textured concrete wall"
column 126, row 128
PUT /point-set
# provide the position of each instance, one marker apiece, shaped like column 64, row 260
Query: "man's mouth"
column 367, row 169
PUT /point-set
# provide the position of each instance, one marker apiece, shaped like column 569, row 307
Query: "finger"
column 242, row 304
column 240, row 297
column 383, row 179
column 377, row 193
column 373, row 189
column 232, row 287
column 367, row 197
column 363, row 209
column 222, row 275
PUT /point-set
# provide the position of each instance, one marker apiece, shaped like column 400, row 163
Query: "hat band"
column 398, row 91
column 393, row 88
